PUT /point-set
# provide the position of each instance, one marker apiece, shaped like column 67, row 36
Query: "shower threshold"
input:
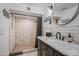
column 23, row 52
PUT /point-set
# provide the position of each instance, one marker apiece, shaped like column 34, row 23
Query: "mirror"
column 64, row 13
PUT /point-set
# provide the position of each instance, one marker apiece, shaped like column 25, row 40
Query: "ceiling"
column 62, row 6
column 58, row 6
column 40, row 5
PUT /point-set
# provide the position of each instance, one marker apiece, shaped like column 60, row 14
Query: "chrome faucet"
column 57, row 35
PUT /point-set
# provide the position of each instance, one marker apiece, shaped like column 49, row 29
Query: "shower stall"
column 22, row 33
column 24, row 28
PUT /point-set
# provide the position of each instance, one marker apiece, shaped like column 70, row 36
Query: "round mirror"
column 64, row 13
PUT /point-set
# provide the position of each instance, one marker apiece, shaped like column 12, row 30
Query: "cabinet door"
column 43, row 50
column 39, row 48
column 49, row 51
column 46, row 50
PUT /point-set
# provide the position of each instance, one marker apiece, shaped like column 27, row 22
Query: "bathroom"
column 24, row 25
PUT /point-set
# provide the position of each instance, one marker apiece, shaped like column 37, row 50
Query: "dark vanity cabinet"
column 43, row 49
column 46, row 50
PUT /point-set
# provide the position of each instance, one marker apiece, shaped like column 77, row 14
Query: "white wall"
column 4, row 24
column 4, row 36
column 72, row 27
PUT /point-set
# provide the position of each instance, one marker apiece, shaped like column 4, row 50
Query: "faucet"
column 57, row 35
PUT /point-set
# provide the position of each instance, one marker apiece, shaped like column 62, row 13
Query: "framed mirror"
column 65, row 13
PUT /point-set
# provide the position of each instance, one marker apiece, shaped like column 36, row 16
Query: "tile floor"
column 31, row 52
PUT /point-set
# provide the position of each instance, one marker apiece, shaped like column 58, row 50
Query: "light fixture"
column 6, row 13
column 50, row 11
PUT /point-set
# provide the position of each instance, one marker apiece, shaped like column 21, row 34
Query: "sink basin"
column 50, row 38
column 54, row 38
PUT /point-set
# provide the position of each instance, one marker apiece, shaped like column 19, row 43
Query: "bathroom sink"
column 74, row 42
column 50, row 39
column 53, row 38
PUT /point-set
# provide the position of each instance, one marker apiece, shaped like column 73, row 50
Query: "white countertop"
column 63, row 47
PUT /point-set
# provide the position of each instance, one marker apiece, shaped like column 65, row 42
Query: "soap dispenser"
column 69, row 37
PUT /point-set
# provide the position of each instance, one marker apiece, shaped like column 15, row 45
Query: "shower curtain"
column 23, row 33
